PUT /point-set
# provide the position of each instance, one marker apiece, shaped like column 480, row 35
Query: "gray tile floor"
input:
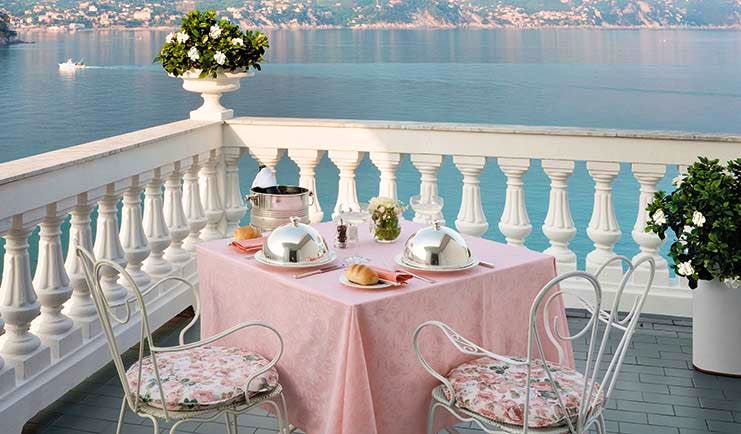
column 657, row 393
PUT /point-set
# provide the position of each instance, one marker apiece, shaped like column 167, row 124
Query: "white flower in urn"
column 678, row 180
column 734, row 282
column 659, row 217
column 698, row 219
column 220, row 57
column 215, row 31
column 238, row 42
column 685, row 269
column 193, row 54
column 182, row 37
column 170, row 36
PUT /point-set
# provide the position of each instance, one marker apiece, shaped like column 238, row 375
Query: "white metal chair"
column 514, row 395
column 165, row 384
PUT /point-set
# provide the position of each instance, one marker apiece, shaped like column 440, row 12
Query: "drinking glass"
column 427, row 209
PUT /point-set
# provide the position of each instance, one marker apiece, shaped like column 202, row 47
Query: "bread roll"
column 246, row 233
column 361, row 274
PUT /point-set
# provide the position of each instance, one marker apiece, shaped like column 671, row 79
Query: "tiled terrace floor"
column 658, row 393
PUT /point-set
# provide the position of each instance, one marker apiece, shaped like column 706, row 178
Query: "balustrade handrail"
column 505, row 141
column 35, row 181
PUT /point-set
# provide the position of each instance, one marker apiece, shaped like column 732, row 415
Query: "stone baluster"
column 347, row 193
column 559, row 225
column 108, row 245
column 428, row 165
column 193, row 206
column 603, row 228
column 211, row 198
column 175, row 218
column 268, row 157
column 19, row 305
column 514, row 223
column 306, row 160
column 471, row 218
column 80, row 307
column 52, row 285
column 155, row 228
column 234, row 208
column 387, row 163
column 648, row 175
column 133, row 239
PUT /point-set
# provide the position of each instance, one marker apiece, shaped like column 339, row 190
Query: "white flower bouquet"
column 385, row 214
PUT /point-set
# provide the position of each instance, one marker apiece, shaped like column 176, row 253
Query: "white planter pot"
column 716, row 328
column 211, row 90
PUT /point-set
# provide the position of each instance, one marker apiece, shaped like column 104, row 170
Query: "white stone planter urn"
column 211, row 90
column 716, row 328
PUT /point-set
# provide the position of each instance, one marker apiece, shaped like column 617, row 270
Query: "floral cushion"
column 201, row 378
column 496, row 390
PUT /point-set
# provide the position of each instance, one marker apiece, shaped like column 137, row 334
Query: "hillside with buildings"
column 72, row 14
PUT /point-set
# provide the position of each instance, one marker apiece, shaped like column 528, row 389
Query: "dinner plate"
column 400, row 260
column 379, row 285
column 261, row 258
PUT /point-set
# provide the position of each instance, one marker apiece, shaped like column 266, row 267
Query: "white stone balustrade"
column 648, row 176
column 559, row 225
column 471, row 218
column 428, row 165
column 175, row 218
column 387, row 163
column 133, row 239
column 515, row 223
column 52, row 286
column 306, row 160
column 347, row 193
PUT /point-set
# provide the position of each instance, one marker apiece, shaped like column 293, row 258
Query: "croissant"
column 361, row 274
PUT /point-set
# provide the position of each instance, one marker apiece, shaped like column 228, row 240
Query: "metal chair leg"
column 121, row 415
column 431, row 417
column 228, row 424
column 601, row 425
column 236, row 427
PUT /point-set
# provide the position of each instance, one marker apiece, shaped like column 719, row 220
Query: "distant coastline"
column 386, row 26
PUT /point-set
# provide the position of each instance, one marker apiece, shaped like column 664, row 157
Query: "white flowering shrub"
column 210, row 46
column 704, row 212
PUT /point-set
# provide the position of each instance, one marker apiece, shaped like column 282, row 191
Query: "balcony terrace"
column 53, row 357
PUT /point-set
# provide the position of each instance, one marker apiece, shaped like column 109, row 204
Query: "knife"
column 422, row 278
column 319, row 271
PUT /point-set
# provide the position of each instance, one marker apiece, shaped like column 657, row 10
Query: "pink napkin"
column 391, row 276
column 248, row 246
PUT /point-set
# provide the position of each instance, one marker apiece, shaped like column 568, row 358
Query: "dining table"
column 348, row 364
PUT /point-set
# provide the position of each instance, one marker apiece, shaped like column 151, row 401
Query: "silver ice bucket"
column 273, row 207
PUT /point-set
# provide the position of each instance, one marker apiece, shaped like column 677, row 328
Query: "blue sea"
column 684, row 80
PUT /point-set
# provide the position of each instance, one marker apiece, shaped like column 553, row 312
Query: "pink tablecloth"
column 349, row 365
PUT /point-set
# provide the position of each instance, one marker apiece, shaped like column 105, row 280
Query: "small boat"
column 70, row 65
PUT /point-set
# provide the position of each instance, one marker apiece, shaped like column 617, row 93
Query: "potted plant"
column 704, row 212
column 211, row 55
